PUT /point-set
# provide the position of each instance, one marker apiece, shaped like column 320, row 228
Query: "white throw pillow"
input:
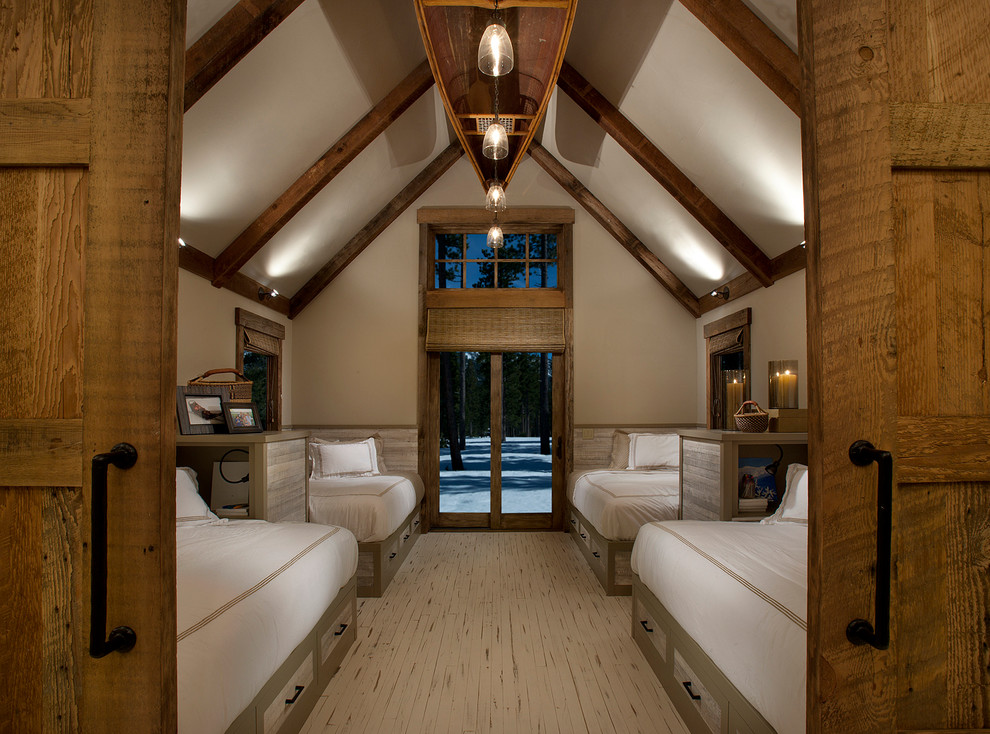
column 352, row 458
column 653, row 450
column 190, row 508
column 794, row 506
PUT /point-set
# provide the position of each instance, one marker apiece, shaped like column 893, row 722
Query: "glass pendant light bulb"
column 496, row 144
column 495, row 56
column 495, row 237
column 495, row 199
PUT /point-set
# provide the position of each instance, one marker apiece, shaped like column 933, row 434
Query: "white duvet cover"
column 248, row 593
column 740, row 591
column 619, row 503
column 370, row 507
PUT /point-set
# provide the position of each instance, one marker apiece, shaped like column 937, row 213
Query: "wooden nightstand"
column 277, row 464
column 710, row 469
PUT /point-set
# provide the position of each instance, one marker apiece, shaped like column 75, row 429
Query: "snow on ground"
column 526, row 477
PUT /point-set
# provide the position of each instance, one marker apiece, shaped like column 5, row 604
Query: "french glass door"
column 496, row 440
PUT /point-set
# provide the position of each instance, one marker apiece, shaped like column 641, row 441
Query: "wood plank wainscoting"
column 494, row 632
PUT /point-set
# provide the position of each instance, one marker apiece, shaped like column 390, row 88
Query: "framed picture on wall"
column 200, row 410
column 242, row 417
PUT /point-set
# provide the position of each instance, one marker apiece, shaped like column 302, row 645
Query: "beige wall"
column 207, row 332
column 779, row 331
column 354, row 349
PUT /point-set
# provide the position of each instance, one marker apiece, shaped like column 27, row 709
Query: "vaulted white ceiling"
column 323, row 68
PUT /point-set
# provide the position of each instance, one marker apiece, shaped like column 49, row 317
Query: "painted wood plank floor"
column 494, row 632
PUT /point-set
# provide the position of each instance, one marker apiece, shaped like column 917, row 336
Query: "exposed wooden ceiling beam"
column 201, row 264
column 262, row 229
column 413, row 190
column 604, row 216
column 234, row 35
column 749, row 38
column 784, row 264
column 666, row 173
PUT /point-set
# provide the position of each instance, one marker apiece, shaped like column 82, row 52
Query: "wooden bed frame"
column 609, row 559
column 310, row 666
column 379, row 560
column 703, row 696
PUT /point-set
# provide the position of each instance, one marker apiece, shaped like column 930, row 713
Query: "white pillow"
column 314, row 458
column 651, row 450
column 190, row 509
column 794, row 506
column 350, row 458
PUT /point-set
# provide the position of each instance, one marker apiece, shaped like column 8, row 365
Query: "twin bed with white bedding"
column 349, row 486
column 607, row 507
column 266, row 612
column 720, row 611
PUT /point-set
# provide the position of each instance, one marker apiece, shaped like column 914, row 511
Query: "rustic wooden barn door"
column 90, row 113
column 897, row 146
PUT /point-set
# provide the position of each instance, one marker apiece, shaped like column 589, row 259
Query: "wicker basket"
column 756, row 422
column 236, row 389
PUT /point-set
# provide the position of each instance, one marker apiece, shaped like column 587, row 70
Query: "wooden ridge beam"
column 785, row 264
column 749, row 38
column 644, row 152
column 622, row 234
column 219, row 49
column 201, row 264
column 346, row 149
column 357, row 244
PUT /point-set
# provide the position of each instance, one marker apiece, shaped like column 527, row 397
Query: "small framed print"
column 199, row 410
column 242, row 417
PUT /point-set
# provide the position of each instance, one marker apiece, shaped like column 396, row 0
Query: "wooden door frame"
column 557, row 220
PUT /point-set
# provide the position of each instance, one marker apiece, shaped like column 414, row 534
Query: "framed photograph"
column 200, row 410
column 242, row 417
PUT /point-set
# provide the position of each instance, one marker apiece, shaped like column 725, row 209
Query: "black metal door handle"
column 687, row 687
column 860, row 631
column 121, row 639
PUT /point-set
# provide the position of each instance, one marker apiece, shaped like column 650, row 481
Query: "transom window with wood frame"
column 495, row 367
column 525, row 260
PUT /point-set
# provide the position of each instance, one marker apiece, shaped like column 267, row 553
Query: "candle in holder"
column 783, row 384
column 735, row 394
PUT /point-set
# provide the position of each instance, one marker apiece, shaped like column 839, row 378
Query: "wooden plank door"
column 896, row 126
column 90, row 114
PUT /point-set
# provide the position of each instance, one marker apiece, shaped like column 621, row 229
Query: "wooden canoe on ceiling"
column 452, row 30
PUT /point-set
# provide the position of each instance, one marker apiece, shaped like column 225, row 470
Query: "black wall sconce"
column 722, row 293
column 266, row 293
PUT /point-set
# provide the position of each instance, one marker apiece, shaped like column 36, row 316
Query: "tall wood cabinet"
column 279, row 486
column 710, row 469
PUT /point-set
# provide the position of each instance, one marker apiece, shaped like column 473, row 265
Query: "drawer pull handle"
column 392, row 555
column 405, row 537
column 299, row 689
column 583, row 536
column 645, row 626
column 687, row 687
column 415, row 523
column 573, row 522
column 339, row 632
column 595, row 554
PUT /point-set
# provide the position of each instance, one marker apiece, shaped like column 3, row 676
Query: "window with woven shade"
column 259, row 357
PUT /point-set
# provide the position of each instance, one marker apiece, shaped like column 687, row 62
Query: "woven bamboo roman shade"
column 495, row 330
column 261, row 342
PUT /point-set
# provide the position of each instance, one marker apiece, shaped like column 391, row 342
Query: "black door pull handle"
column 339, row 632
column 645, row 625
column 860, row 631
column 121, row 639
